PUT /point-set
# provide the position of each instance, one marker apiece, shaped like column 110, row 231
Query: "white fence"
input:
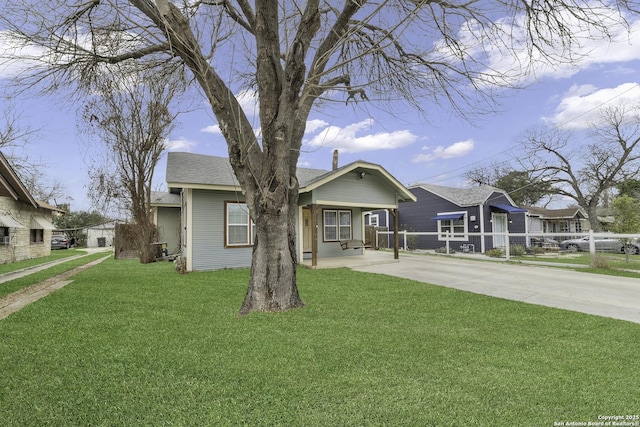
column 448, row 241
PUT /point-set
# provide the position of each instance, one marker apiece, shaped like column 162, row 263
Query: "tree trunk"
column 594, row 223
column 272, row 283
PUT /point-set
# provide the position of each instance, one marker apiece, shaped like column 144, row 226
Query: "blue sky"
column 438, row 150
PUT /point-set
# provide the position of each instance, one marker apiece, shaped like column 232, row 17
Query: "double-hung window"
column 238, row 225
column 337, row 225
column 455, row 226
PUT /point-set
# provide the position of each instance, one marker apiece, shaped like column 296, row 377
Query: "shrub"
column 517, row 250
column 494, row 253
column 443, row 250
column 599, row 261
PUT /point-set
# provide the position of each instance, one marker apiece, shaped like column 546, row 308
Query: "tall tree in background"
column 297, row 56
column 627, row 220
column 584, row 168
column 129, row 117
column 524, row 188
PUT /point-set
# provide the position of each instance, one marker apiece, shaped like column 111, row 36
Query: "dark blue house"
column 466, row 215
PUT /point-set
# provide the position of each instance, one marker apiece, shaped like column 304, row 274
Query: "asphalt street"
column 615, row 297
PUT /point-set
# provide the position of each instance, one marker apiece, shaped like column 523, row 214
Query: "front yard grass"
column 617, row 265
column 14, row 285
column 131, row 344
column 55, row 255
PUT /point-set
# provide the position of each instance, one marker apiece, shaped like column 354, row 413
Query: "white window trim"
column 337, row 226
column 374, row 218
column 250, row 227
column 459, row 238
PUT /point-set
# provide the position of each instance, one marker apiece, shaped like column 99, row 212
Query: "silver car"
column 60, row 241
column 602, row 244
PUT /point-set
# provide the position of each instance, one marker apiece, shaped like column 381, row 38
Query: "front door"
column 306, row 230
column 499, row 221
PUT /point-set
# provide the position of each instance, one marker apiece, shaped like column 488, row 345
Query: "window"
column 373, row 220
column 37, row 235
column 238, row 224
column 457, row 228
column 337, row 225
column 4, row 236
column 578, row 226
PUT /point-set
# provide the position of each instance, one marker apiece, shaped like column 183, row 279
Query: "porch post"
column 396, row 251
column 314, row 235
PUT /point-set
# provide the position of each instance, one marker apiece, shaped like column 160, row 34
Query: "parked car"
column 60, row 241
column 602, row 244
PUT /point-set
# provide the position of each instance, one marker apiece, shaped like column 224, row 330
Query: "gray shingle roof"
column 164, row 198
column 188, row 169
column 462, row 196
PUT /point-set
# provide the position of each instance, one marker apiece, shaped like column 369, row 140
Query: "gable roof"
column 566, row 213
column 464, row 197
column 11, row 186
column 188, row 170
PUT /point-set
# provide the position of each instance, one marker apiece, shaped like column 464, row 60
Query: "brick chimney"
column 335, row 159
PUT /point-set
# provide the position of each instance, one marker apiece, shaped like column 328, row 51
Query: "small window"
column 37, row 235
column 238, row 225
column 373, row 220
column 456, row 228
column 4, row 236
column 337, row 225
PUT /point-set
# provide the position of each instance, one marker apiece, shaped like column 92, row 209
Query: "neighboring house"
column 25, row 223
column 217, row 231
column 461, row 212
column 569, row 220
column 166, row 217
column 100, row 235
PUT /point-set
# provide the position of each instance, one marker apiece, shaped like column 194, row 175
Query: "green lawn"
column 130, row 344
column 17, row 284
column 55, row 255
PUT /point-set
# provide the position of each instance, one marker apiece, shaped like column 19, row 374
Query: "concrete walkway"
column 615, row 297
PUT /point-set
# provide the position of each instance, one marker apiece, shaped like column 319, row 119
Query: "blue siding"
column 418, row 217
column 208, row 251
column 349, row 188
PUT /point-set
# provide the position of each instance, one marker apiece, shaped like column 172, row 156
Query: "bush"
column 443, row 250
column 494, row 253
column 599, row 261
column 517, row 250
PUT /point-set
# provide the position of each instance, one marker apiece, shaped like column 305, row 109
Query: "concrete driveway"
column 615, row 297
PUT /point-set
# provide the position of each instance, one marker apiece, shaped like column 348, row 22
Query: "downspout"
column 482, row 243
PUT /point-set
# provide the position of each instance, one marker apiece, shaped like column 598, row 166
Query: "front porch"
column 370, row 257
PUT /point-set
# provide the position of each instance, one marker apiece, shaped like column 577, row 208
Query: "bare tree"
column 14, row 137
column 130, row 118
column 583, row 167
column 526, row 188
column 297, row 55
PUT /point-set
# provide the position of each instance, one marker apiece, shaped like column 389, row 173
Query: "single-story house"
column 462, row 214
column 166, row 217
column 568, row 220
column 216, row 227
column 25, row 223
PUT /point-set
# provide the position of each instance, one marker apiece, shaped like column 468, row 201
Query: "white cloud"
column 580, row 106
column 513, row 61
column 214, row 129
column 314, row 125
column 457, row 149
column 15, row 59
column 346, row 139
column 180, row 144
column 248, row 100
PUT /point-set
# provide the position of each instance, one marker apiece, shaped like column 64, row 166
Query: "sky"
column 436, row 150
